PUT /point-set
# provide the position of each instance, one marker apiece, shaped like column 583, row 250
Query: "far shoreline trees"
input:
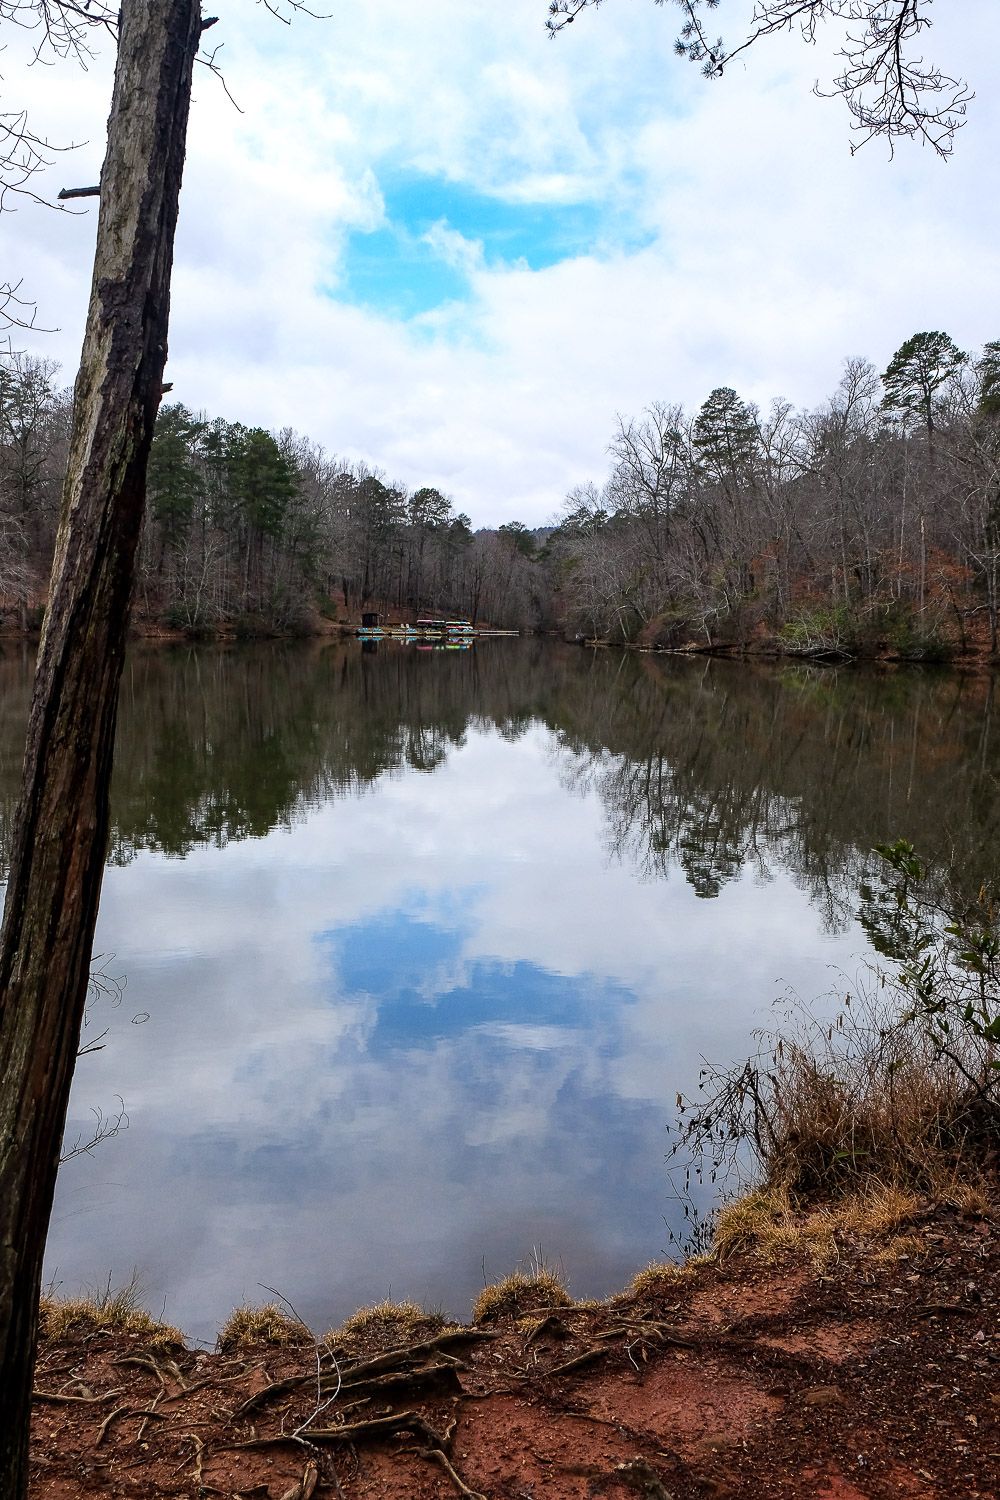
column 870, row 522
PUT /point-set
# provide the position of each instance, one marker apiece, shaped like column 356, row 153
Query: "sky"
column 436, row 241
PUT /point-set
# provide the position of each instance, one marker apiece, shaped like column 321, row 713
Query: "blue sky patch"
column 395, row 958
column 399, row 275
column 395, row 270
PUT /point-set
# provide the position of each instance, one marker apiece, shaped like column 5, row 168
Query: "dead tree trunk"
column 61, row 828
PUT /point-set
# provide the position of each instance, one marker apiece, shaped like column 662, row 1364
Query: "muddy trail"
column 872, row 1375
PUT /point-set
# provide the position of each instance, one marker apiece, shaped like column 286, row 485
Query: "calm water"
column 420, row 946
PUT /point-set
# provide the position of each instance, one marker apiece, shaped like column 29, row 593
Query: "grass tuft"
column 385, row 1324
column 248, row 1327
column 659, row 1279
column 519, row 1294
column 900, row 1247
column 106, row 1310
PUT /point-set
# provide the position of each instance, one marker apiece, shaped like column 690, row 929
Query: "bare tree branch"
column 892, row 92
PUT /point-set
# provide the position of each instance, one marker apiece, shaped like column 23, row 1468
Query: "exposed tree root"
column 58, row 1398
column 102, row 1431
column 439, row 1456
column 638, row 1476
column 359, row 1374
column 304, row 1488
column 578, row 1361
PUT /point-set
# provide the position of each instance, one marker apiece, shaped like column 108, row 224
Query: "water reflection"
column 426, row 950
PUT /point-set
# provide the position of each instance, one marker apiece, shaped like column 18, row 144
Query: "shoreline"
column 228, row 633
column 791, row 1374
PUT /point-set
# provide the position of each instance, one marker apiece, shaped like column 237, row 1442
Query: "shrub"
column 824, row 630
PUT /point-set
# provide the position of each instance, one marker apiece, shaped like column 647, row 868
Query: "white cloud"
column 453, row 248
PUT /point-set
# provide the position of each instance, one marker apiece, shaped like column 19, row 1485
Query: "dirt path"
column 875, row 1376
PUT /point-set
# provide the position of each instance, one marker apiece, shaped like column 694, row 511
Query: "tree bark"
column 61, row 828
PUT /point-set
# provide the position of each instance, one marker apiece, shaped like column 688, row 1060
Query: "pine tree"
column 916, row 374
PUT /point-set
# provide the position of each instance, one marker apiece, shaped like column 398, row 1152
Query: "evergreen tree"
column 174, row 483
column 916, row 374
column 726, row 439
column 988, row 371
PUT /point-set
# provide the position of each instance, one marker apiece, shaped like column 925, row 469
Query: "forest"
column 867, row 525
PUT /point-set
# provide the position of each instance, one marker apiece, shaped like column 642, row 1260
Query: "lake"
column 421, row 946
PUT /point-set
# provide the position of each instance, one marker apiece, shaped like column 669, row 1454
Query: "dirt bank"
column 872, row 1375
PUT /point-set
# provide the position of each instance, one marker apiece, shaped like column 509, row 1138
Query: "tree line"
column 253, row 528
column 869, row 523
column 872, row 521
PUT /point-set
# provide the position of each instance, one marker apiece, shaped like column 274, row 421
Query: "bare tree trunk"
column 61, row 828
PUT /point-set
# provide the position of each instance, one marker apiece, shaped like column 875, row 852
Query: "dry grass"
column 108, row 1310
column 891, row 1117
column 519, row 1294
column 768, row 1224
column 830, row 1107
column 249, row 1327
column 900, row 1247
column 385, row 1324
column 659, row 1279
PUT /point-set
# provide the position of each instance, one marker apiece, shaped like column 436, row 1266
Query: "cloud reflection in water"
column 407, row 1031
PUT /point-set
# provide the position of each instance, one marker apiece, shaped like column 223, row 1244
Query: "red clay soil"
column 866, row 1379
